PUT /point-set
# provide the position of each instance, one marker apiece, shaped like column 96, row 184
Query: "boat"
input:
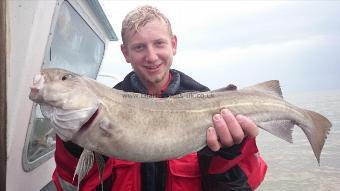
column 38, row 34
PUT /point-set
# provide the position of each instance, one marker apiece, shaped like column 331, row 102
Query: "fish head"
column 63, row 89
column 66, row 99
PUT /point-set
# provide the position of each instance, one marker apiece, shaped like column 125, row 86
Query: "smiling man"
column 150, row 52
column 231, row 160
column 149, row 46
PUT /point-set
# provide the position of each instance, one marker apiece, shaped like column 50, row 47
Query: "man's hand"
column 229, row 130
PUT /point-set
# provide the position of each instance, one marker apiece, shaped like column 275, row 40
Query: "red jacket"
column 65, row 166
column 183, row 173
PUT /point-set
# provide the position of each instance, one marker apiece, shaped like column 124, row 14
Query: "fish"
column 137, row 127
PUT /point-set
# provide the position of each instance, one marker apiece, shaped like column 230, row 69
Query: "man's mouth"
column 152, row 67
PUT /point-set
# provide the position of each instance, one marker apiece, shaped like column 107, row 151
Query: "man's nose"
column 151, row 55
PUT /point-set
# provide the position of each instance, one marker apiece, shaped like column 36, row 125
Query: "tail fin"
column 317, row 135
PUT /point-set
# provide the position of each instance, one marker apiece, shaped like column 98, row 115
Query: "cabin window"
column 40, row 141
column 73, row 46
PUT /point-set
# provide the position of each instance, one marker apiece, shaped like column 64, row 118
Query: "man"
column 233, row 162
column 149, row 46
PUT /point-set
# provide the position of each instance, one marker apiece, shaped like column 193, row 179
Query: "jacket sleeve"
column 236, row 168
column 66, row 161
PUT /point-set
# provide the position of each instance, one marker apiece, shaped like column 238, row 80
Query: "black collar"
column 172, row 88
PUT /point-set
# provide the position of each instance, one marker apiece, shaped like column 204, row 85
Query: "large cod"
column 135, row 127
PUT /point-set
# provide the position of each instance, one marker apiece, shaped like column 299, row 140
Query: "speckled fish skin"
column 135, row 127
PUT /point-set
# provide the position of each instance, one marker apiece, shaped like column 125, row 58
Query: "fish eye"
column 67, row 76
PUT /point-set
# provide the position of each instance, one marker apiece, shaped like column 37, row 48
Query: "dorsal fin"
column 272, row 87
column 227, row 88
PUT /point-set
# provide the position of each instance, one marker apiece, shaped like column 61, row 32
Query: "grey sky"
column 246, row 42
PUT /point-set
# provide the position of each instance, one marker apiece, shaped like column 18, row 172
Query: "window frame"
column 26, row 163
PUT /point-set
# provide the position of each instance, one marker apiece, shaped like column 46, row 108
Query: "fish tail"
column 318, row 133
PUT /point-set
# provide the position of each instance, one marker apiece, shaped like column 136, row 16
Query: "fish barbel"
column 135, row 127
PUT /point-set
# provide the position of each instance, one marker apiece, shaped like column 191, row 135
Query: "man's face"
column 150, row 52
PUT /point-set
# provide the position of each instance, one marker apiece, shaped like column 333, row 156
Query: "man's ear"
column 174, row 44
column 125, row 52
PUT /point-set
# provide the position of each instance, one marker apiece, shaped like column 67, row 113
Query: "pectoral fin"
column 84, row 165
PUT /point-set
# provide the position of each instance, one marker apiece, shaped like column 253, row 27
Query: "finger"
column 248, row 126
column 212, row 140
column 234, row 127
column 222, row 130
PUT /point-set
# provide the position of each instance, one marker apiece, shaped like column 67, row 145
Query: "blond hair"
column 139, row 17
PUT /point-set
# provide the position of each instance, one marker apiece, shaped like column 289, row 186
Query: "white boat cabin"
column 69, row 34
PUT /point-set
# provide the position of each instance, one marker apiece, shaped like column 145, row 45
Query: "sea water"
column 293, row 166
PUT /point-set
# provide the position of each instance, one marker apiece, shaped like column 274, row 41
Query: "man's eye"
column 67, row 76
column 138, row 47
column 160, row 43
